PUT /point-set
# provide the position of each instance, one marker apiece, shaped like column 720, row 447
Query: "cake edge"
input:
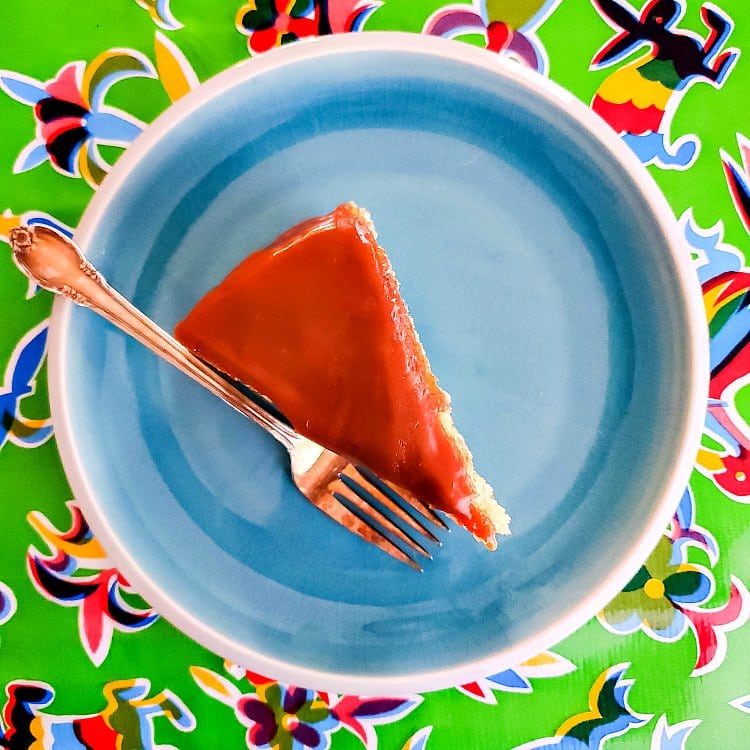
column 483, row 501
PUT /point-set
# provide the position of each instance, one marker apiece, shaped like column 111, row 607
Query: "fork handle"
column 54, row 262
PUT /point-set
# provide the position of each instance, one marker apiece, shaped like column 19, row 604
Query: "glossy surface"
column 316, row 324
column 542, row 288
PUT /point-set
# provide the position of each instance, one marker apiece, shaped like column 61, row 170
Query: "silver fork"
column 330, row 482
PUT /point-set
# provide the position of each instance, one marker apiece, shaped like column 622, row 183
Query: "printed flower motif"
column 71, row 118
column 517, row 680
column 509, row 27
column 668, row 596
column 609, row 715
column 19, row 383
column 653, row 597
column 77, row 573
column 286, row 718
column 271, row 23
column 283, row 717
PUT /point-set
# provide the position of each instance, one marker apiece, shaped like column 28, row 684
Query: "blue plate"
column 542, row 270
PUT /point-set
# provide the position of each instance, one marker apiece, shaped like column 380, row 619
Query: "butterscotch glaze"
column 315, row 323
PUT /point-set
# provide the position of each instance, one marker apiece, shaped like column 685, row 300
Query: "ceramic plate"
column 540, row 265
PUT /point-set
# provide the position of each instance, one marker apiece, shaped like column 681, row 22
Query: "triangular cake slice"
column 316, row 324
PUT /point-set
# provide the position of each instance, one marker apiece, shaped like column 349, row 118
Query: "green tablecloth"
column 86, row 663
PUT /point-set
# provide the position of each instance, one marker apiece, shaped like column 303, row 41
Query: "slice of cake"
column 316, row 324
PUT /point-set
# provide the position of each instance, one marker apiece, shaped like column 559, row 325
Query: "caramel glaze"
column 315, row 323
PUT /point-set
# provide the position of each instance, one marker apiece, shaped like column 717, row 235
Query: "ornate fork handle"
column 56, row 263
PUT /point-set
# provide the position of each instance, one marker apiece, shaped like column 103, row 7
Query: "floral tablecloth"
column 86, row 663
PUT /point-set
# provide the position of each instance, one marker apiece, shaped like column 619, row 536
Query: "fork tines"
column 371, row 508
